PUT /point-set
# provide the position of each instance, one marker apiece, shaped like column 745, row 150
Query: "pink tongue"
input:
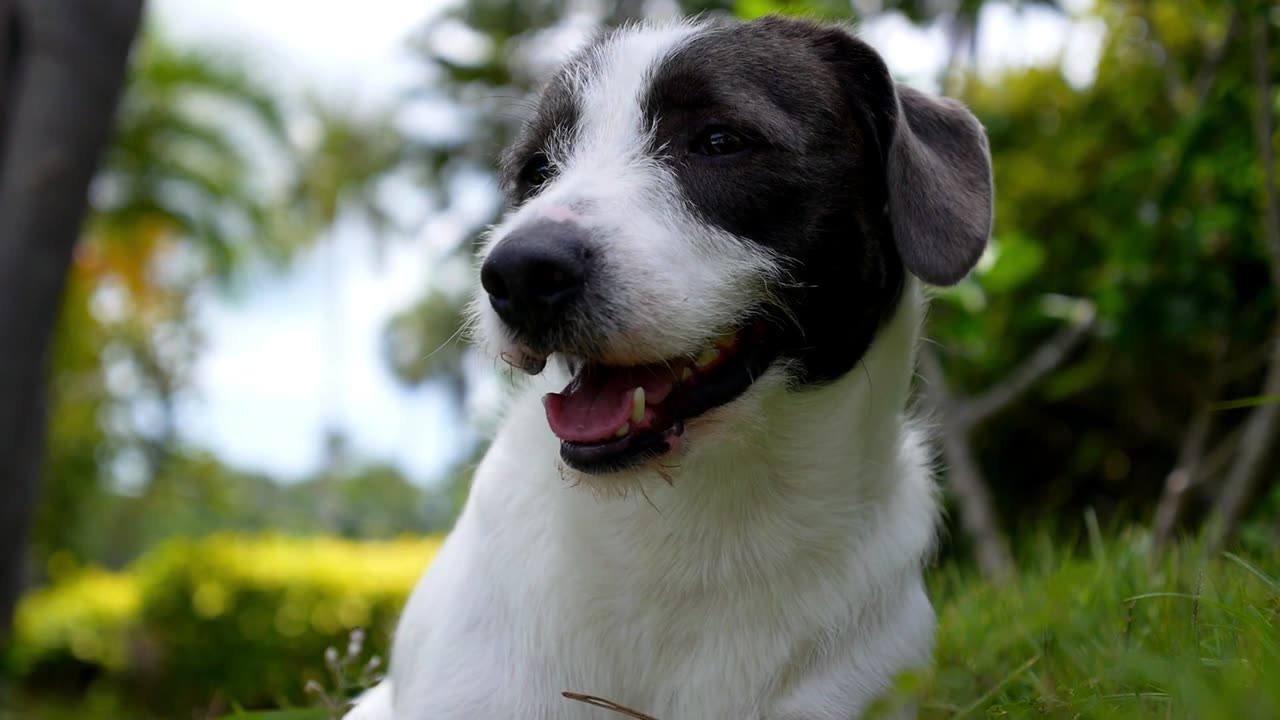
column 598, row 401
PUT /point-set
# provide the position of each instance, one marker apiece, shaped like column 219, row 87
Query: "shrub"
column 84, row 619
column 197, row 625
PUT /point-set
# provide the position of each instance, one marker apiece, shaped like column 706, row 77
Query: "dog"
column 709, row 499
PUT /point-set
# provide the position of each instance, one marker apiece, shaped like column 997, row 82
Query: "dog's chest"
column 509, row 646
column 523, row 607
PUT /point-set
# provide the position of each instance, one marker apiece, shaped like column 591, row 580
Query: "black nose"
column 534, row 275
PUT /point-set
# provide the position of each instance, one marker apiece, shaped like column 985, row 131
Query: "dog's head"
column 693, row 206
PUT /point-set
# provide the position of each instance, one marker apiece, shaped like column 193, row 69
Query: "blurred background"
column 235, row 413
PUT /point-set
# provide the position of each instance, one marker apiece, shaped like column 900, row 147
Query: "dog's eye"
column 537, row 171
column 719, row 140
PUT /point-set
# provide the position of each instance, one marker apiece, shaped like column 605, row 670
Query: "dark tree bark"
column 62, row 65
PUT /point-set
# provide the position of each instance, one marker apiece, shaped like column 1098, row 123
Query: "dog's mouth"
column 610, row 418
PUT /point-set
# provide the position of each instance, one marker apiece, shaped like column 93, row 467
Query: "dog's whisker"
column 456, row 334
column 648, row 500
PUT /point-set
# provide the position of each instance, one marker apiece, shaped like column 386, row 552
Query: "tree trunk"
column 9, row 52
column 62, row 65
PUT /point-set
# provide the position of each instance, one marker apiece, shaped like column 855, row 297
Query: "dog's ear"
column 938, row 177
column 937, row 168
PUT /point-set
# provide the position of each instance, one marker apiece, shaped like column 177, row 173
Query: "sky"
column 263, row 394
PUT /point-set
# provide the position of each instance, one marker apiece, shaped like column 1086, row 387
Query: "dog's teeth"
column 622, row 431
column 685, row 374
column 706, row 357
column 637, row 405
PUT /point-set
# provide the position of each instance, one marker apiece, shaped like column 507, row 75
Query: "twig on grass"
column 607, row 705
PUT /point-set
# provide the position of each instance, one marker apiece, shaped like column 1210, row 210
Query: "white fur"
column 374, row 704
column 777, row 576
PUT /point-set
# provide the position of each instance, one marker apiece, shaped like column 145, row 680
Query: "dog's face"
column 691, row 207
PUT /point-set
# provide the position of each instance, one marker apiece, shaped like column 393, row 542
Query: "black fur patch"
column 817, row 106
column 556, row 115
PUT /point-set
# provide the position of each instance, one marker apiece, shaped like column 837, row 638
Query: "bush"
column 198, row 625
column 83, row 619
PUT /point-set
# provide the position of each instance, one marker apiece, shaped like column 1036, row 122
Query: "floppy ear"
column 938, row 173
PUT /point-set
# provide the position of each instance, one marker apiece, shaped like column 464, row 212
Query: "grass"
column 1114, row 634
column 1099, row 629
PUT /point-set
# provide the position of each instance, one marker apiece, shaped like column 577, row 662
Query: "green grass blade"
column 995, row 689
column 1268, row 581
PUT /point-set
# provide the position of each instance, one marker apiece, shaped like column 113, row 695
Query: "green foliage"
column 227, row 621
column 1141, row 194
column 83, row 618
column 176, row 160
column 817, row 9
column 249, row 617
column 194, row 495
column 426, row 340
column 339, row 169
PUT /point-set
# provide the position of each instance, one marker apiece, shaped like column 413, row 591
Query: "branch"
column 1217, row 460
column 1172, row 81
column 964, row 478
column 1255, row 444
column 1047, row 358
column 1181, row 478
column 1214, row 58
column 1204, row 84
column 1190, row 467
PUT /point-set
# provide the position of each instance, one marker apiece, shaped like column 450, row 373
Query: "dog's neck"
column 783, row 476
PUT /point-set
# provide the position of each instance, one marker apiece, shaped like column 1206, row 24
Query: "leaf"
column 819, row 9
column 1016, row 262
column 1246, row 402
column 1270, row 583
